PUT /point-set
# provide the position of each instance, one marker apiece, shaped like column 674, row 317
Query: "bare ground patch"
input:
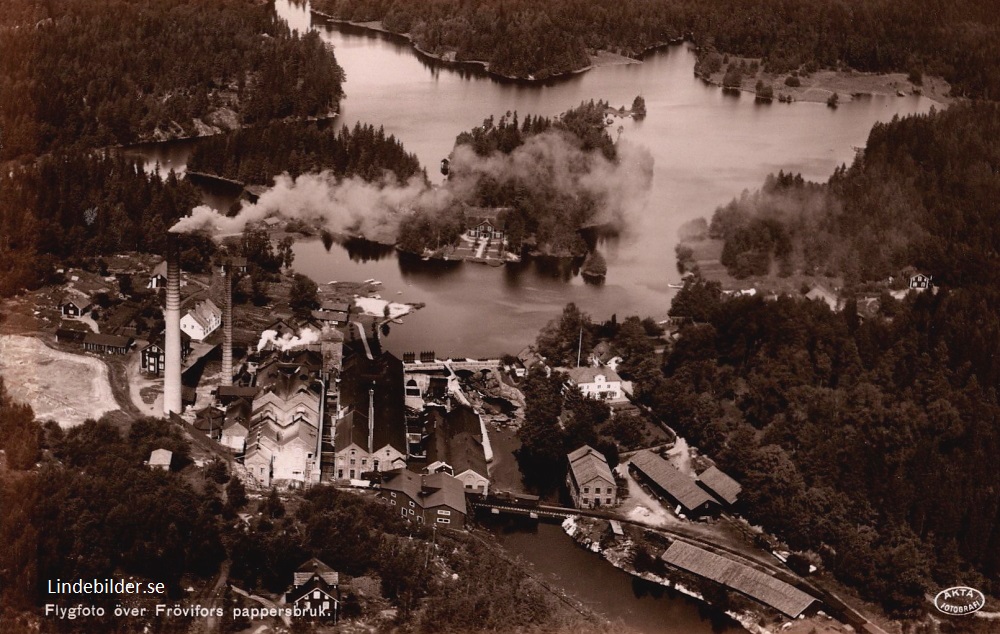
column 63, row 387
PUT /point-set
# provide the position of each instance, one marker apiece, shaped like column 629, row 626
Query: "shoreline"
column 849, row 85
column 748, row 621
column 598, row 59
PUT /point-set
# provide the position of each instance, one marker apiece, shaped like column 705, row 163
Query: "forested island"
column 956, row 40
column 80, row 74
column 548, row 177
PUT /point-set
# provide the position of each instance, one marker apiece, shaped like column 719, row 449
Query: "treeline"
column 64, row 207
column 89, row 74
column 957, row 40
column 256, row 155
column 548, row 204
column 93, row 509
column 869, row 443
column 923, row 193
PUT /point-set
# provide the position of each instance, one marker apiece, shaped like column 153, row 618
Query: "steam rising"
column 287, row 341
column 550, row 161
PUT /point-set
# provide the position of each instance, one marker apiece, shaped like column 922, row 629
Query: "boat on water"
column 675, row 285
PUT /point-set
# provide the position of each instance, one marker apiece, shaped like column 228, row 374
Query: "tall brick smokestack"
column 227, row 324
column 172, row 317
column 371, row 420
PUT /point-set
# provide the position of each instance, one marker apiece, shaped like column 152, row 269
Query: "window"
column 586, row 489
column 411, row 503
column 411, row 511
column 442, row 520
column 363, row 462
column 326, row 605
column 352, row 460
column 597, row 490
column 392, row 494
column 340, row 474
column 608, row 501
column 440, row 512
column 315, row 594
column 352, row 474
column 402, row 512
column 393, row 502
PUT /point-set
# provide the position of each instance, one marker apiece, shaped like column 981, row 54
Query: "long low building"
column 667, row 481
column 755, row 584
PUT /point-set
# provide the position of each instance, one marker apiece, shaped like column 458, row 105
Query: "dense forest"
column 255, row 155
column 923, row 193
column 869, row 441
column 63, row 207
column 536, row 166
column 957, row 40
column 80, row 73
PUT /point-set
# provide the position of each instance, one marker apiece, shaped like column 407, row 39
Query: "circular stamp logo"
column 959, row 600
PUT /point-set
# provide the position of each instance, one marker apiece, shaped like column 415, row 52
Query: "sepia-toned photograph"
column 499, row 317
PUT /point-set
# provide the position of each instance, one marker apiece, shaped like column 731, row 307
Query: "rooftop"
column 587, row 463
column 723, row 486
column 666, row 476
column 756, row 584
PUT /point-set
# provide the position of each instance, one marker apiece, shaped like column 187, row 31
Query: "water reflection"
column 361, row 250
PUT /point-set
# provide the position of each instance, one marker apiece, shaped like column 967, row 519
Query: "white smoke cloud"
column 287, row 341
column 550, row 161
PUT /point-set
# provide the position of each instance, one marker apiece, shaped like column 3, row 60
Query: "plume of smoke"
column 553, row 162
column 550, row 162
column 349, row 205
column 287, row 341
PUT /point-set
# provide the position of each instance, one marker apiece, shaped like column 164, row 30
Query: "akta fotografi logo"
column 959, row 600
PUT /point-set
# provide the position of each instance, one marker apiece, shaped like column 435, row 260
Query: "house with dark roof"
column 486, row 222
column 437, row 498
column 315, row 589
column 455, row 446
column 158, row 276
column 72, row 331
column 106, row 344
column 589, row 479
column 201, row 320
column 210, row 421
column 720, row 485
column 75, row 305
column 751, row 582
column 153, row 356
column 668, row 482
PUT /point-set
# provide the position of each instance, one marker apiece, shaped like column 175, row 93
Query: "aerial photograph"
column 499, row 316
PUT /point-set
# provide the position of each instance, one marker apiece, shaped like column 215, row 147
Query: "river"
column 640, row 605
column 708, row 147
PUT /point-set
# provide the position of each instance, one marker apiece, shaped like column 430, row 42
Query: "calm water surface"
column 708, row 146
column 620, row 597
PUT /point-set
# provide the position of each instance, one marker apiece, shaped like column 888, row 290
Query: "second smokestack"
column 172, row 336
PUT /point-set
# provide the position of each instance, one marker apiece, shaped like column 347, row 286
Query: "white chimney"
column 172, row 316
column 227, row 323
column 371, row 421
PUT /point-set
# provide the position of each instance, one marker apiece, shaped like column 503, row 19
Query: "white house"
column 601, row 383
column 160, row 459
column 202, row 320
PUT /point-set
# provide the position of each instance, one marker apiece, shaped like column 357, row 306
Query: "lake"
column 708, row 146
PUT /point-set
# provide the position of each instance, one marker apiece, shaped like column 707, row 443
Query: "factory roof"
column 678, row 485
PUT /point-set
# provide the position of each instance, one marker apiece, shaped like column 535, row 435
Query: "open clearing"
column 63, row 387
